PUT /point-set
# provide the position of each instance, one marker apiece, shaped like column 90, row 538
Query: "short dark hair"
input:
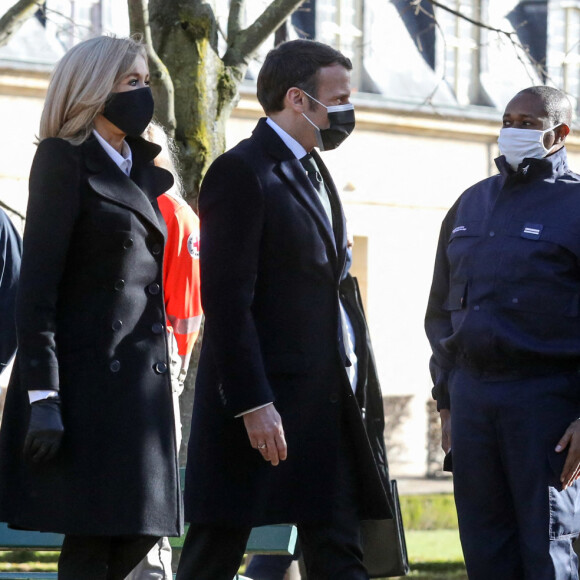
column 554, row 101
column 294, row 64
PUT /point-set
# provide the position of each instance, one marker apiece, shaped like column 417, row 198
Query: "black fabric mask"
column 342, row 122
column 341, row 126
column 130, row 111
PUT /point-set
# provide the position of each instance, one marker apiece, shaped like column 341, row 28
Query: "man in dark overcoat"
column 10, row 254
column 277, row 434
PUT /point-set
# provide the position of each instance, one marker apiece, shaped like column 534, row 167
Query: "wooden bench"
column 276, row 539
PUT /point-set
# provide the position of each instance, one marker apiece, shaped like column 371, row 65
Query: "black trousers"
column 101, row 557
column 332, row 550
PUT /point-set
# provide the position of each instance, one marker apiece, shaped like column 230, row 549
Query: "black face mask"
column 342, row 122
column 130, row 111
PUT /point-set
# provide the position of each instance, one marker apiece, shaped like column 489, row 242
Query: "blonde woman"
column 87, row 446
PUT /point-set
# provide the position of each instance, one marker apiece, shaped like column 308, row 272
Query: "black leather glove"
column 45, row 430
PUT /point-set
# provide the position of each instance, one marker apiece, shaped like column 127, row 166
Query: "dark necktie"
column 315, row 177
column 312, row 170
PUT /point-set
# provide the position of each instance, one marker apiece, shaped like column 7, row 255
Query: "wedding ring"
column 262, row 446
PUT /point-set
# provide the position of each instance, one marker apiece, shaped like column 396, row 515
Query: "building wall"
column 397, row 174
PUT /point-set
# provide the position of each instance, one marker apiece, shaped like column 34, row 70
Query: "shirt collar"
column 123, row 160
column 290, row 142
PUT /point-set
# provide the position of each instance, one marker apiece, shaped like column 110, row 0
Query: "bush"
column 429, row 512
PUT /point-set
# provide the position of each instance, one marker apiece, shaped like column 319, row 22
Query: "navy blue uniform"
column 503, row 321
column 10, row 254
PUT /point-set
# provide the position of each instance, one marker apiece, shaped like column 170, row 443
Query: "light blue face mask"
column 519, row 144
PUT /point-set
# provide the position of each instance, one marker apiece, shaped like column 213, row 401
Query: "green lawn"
column 430, row 530
column 435, row 555
column 434, row 546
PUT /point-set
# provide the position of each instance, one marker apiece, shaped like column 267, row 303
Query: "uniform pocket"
column 469, row 229
column 540, row 300
column 457, row 297
column 546, row 233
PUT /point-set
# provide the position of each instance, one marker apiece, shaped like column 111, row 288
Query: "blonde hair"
column 81, row 83
column 167, row 157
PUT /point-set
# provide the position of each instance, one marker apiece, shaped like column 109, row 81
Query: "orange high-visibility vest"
column 181, row 271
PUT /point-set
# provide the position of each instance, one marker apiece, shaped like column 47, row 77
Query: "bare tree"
column 15, row 17
column 161, row 82
column 184, row 33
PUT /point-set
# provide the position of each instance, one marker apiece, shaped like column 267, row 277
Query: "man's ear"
column 294, row 99
column 561, row 133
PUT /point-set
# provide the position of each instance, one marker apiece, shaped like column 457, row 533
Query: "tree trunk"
column 161, row 83
column 185, row 36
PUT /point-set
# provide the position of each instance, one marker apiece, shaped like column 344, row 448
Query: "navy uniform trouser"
column 515, row 522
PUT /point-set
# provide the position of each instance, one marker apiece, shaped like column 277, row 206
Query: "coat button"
column 157, row 328
column 160, row 368
column 156, row 249
column 491, row 234
column 117, row 325
column 476, row 308
column 115, row 366
column 128, row 243
column 154, row 288
column 119, row 284
column 333, row 398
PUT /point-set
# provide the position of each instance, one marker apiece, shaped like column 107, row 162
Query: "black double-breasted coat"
column 91, row 325
column 270, row 272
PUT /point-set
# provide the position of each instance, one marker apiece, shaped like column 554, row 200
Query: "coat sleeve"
column 53, row 204
column 10, row 255
column 231, row 208
column 438, row 320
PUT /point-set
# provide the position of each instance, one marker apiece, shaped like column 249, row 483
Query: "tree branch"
column 235, row 17
column 466, row 18
column 161, row 83
column 15, row 17
column 245, row 42
column 510, row 36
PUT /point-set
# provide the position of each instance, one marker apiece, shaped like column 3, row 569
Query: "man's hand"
column 445, row 415
column 45, row 430
column 264, row 427
column 571, row 439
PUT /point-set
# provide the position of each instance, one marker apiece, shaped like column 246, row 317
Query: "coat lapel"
column 295, row 176
column 138, row 192
column 291, row 171
column 339, row 220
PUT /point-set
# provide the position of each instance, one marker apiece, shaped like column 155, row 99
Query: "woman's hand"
column 45, row 430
